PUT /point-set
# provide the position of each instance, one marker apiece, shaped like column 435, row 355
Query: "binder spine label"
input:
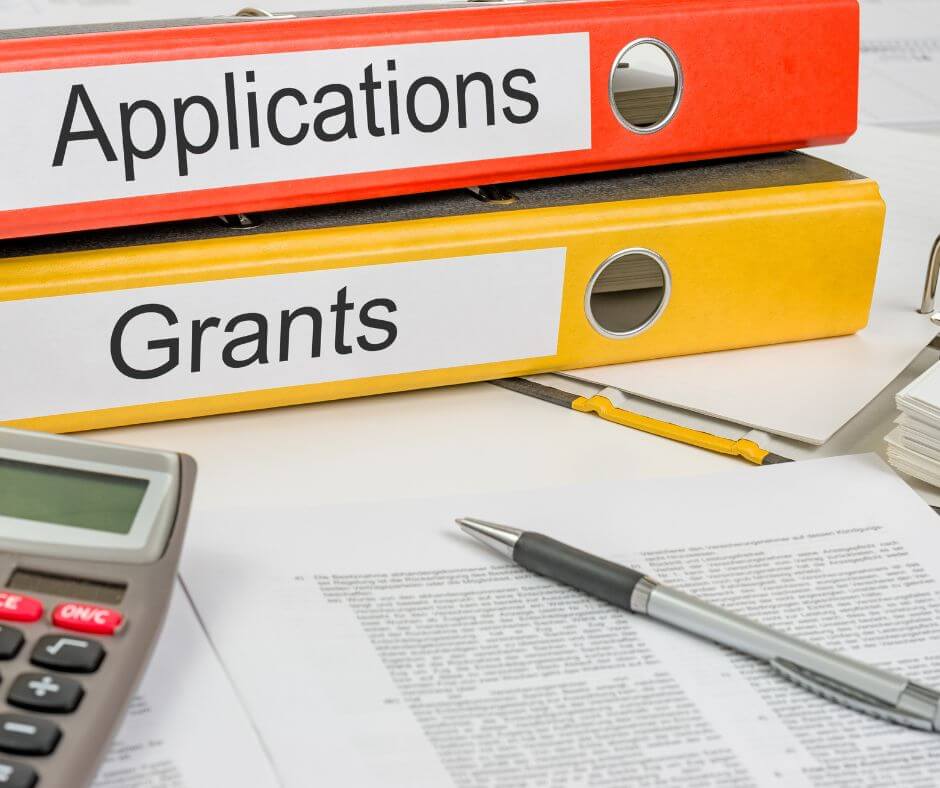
column 96, row 133
column 110, row 349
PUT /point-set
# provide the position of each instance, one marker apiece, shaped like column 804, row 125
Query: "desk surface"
column 475, row 438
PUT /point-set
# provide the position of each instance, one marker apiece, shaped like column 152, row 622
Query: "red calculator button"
column 16, row 607
column 87, row 618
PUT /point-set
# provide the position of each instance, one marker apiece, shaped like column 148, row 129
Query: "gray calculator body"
column 90, row 533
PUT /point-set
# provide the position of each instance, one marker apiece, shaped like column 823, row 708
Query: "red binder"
column 126, row 124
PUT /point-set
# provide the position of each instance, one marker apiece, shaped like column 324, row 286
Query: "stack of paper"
column 914, row 445
column 409, row 656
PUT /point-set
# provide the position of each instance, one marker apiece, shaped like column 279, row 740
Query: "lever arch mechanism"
column 930, row 284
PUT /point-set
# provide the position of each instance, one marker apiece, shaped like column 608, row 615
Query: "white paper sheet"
column 409, row 655
column 185, row 727
column 864, row 433
column 807, row 390
column 913, row 447
column 921, row 398
column 899, row 66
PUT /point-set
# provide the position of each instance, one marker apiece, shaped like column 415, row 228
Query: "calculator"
column 90, row 538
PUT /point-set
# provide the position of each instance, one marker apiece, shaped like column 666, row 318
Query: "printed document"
column 185, row 728
column 899, row 64
column 407, row 654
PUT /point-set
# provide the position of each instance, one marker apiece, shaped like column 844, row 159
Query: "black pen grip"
column 604, row 579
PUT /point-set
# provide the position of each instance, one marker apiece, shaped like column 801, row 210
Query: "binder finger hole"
column 627, row 293
column 645, row 85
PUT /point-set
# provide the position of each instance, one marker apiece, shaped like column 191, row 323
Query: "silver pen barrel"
column 830, row 675
column 709, row 621
column 847, row 681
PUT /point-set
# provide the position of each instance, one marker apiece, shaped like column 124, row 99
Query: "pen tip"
column 468, row 525
column 500, row 537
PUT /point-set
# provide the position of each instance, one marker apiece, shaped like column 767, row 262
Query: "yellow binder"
column 211, row 316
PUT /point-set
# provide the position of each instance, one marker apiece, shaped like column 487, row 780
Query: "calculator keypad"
column 28, row 727
column 21, row 735
column 11, row 641
column 45, row 692
column 17, row 775
column 67, row 653
column 17, row 607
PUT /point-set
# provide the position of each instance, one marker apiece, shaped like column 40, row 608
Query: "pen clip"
column 921, row 702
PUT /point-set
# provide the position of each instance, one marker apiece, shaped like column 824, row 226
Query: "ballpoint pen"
column 837, row 678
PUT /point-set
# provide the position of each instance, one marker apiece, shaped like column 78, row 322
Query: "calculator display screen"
column 68, row 496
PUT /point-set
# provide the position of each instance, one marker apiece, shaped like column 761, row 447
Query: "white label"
column 129, row 347
column 81, row 134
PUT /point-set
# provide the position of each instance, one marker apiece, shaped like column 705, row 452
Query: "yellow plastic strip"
column 604, row 408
